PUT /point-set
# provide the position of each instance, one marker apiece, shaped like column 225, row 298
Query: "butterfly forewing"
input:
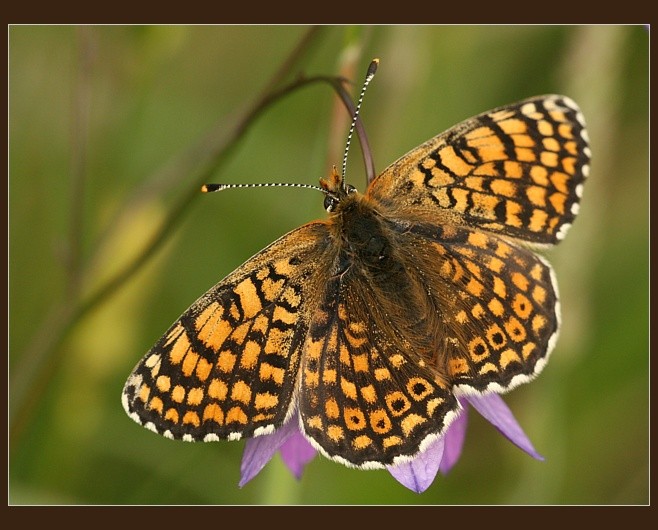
column 227, row 367
column 517, row 170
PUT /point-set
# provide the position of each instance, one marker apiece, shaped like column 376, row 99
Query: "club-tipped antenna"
column 372, row 69
column 209, row 188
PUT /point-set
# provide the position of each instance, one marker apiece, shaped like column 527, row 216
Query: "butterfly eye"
column 350, row 189
column 330, row 203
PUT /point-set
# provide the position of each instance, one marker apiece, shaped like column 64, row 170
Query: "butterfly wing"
column 497, row 304
column 367, row 399
column 517, row 170
column 227, row 367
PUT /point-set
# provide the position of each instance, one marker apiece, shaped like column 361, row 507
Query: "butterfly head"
column 335, row 190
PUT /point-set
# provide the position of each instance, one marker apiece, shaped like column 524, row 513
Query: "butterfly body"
column 367, row 325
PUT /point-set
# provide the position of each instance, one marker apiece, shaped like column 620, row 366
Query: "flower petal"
column 296, row 452
column 494, row 409
column 419, row 473
column 259, row 451
column 454, row 441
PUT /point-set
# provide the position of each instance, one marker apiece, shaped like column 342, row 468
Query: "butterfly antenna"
column 209, row 188
column 372, row 69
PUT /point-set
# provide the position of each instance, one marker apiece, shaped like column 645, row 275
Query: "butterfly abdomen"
column 371, row 253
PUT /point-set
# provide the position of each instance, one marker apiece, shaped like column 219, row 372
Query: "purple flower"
column 417, row 474
column 295, row 449
column 442, row 454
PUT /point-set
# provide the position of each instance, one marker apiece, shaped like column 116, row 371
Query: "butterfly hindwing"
column 498, row 305
column 367, row 399
column 227, row 367
column 516, row 170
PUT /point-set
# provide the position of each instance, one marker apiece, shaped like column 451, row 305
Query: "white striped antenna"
column 209, row 188
column 372, row 69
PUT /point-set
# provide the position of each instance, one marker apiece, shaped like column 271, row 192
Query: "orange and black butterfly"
column 371, row 322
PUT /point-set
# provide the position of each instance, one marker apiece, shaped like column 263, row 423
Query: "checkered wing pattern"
column 498, row 306
column 367, row 397
column 227, row 367
column 517, row 170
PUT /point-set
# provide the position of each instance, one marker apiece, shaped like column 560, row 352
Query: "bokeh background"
column 113, row 128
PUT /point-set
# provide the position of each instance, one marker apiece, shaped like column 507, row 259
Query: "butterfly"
column 370, row 323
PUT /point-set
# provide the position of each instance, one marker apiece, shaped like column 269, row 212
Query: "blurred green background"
column 111, row 131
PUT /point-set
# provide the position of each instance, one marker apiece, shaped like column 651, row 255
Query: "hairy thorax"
column 371, row 249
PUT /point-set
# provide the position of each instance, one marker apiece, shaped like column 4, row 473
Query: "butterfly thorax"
column 360, row 237
column 363, row 237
